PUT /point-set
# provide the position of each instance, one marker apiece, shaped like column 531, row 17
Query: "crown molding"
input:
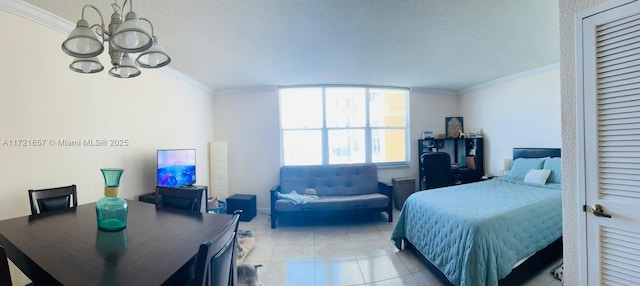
column 525, row 74
column 35, row 14
column 245, row 90
column 432, row 91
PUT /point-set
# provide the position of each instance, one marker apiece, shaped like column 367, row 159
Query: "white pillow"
column 537, row 176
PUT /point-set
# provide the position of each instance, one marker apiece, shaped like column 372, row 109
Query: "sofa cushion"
column 333, row 203
column 330, row 180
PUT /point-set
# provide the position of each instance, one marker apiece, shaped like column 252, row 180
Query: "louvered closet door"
column 610, row 144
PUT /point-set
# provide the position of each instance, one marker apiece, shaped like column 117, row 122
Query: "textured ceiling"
column 437, row 44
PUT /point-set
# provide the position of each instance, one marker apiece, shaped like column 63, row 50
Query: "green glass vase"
column 111, row 211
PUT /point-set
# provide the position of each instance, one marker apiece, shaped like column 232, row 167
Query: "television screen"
column 176, row 167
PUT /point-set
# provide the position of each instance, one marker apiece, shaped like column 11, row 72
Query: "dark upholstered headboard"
column 535, row 152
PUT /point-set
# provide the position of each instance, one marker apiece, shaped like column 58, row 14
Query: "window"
column 339, row 125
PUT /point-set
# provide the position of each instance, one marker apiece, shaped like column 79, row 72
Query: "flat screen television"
column 176, row 167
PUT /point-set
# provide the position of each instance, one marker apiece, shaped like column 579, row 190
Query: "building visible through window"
column 344, row 124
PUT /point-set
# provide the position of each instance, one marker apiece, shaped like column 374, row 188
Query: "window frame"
column 324, row 130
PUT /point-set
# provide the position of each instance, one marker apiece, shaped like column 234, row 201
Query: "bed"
column 475, row 234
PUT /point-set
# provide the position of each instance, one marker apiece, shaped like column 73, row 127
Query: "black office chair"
column 179, row 198
column 436, row 167
column 45, row 200
column 216, row 259
column 5, row 275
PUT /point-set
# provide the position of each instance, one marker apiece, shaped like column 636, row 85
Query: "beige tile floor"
column 353, row 252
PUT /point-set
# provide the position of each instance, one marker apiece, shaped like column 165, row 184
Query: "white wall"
column 248, row 120
column 428, row 111
column 521, row 110
column 40, row 98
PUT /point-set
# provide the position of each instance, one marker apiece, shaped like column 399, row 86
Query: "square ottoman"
column 246, row 203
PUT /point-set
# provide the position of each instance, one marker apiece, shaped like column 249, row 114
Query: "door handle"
column 599, row 212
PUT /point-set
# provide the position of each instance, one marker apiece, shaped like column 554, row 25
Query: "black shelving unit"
column 456, row 147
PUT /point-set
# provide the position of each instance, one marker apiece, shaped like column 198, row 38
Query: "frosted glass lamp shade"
column 154, row 57
column 130, row 37
column 126, row 68
column 86, row 65
column 82, row 42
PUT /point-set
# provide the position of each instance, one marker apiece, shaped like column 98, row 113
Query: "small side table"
column 246, row 203
column 402, row 189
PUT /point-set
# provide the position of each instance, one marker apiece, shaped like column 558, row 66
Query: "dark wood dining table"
column 66, row 247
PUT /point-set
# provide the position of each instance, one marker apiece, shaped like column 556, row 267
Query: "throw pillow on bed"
column 521, row 166
column 555, row 165
column 537, row 176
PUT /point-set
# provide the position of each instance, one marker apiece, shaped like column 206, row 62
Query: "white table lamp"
column 504, row 165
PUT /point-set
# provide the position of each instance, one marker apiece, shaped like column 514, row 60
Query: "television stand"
column 148, row 198
column 151, row 197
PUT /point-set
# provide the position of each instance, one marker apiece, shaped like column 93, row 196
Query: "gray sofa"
column 341, row 189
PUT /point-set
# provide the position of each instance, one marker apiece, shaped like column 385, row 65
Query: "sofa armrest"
column 274, row 194
column 385, row 189
column 274, row 197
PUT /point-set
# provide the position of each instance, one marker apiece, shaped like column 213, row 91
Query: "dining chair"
column 216, row 259
column 437, row 170
column 180, row 198
column 44, row 200
column 5, row 275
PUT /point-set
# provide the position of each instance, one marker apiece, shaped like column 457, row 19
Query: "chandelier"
column 125, row 39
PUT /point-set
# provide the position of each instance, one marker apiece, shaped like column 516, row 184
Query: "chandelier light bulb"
column 86, row 67
column 83, row 45
column 132, row 40
column 154, row 60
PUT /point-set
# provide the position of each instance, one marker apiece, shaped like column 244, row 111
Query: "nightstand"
column 402, row 189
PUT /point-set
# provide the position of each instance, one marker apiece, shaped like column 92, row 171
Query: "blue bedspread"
column 476, row 233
